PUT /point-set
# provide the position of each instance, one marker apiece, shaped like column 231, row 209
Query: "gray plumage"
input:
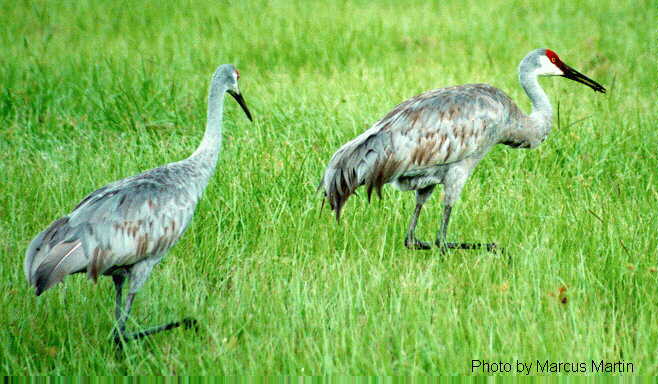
column 125, row 228
column 439, row 137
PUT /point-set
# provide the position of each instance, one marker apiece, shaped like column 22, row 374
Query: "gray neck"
column 212, row 139
column 542, row 112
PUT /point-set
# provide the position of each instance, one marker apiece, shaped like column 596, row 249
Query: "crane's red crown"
column 553, row 57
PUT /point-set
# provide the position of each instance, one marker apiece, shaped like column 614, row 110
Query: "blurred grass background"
column 95, row 91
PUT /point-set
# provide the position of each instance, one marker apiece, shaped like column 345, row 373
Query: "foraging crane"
column 439, row 137
column 125, row 228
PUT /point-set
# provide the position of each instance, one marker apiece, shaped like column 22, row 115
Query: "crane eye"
column 553, row 59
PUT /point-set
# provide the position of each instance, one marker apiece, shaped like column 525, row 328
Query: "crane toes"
column 190, row 323
column 490, row 247
column 121, row 337
column 494, row 248
column 417, row 244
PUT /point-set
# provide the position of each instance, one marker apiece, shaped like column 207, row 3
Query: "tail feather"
column 367, row 160
column 53, row 254
column 63, row 259
column 41, row 245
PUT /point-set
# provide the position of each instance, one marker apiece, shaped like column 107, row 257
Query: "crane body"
column 126, row 227
column 439, row 137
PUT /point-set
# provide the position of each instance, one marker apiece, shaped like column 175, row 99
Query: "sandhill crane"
column 125, row 228
column 439, row 137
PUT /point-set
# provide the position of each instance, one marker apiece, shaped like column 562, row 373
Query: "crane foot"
column 490, row 247
column 417, row 244
column 186, row 323
column 190, row 323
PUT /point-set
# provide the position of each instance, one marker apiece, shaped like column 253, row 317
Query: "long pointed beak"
column 238, row 97
column 574, row 75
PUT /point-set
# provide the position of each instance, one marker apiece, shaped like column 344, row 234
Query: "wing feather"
column 116, row 225
column 438, row 127
column 136, row 223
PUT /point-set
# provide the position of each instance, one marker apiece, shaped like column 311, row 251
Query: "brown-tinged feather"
column 428, row 130
column 94, row 268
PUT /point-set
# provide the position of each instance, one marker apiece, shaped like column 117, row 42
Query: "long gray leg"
column 119, row 278
column 410, row 240
column 120, row 330
column 443, row 232
column 453, row 186
column 138, row 276
column 187, row 322
column 444, row 246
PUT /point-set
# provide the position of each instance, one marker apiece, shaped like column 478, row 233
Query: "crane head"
column 550, row 64
column 228, row 75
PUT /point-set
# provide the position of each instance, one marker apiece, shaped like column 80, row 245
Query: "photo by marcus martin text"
column 548, row 366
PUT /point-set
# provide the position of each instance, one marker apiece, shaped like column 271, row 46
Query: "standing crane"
column 440, row 136
column 125, row 228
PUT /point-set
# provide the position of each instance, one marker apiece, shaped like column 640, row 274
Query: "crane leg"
column 120, row 334
column 453, row 183
column 445, row 246
column 119, row 278
column 443, row 232
column 410, row 240
column 138, row 276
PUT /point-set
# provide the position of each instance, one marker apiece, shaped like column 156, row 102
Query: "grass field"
column 94, row 91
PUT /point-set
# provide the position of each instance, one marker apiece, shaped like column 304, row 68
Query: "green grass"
column 95, row 91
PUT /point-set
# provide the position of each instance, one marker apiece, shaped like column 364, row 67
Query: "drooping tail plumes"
column 366, row 160
column 53, row 254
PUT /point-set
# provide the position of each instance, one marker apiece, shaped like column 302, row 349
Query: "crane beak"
column 574, row 75
column 238, row 97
